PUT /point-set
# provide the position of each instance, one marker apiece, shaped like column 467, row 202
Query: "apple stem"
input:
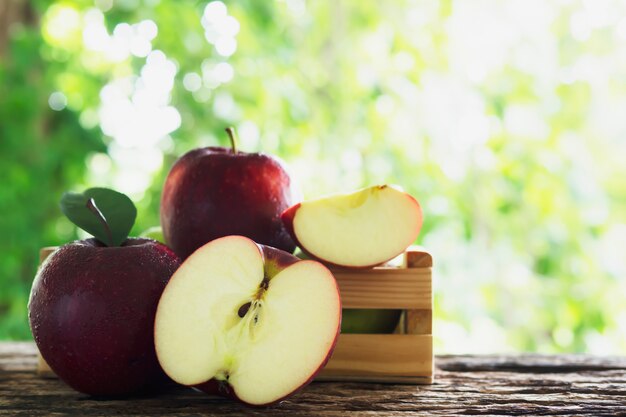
column 91, row 205
column 232, row 135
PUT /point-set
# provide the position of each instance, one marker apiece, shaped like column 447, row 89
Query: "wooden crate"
column 406, row 356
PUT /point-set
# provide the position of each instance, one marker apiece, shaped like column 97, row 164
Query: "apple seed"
column 243, row 310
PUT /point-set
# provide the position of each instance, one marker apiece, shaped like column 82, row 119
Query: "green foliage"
column 102, row 212
column 498, row 116
column 42, row 154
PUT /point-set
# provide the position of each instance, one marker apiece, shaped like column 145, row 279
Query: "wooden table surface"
column 464, row 385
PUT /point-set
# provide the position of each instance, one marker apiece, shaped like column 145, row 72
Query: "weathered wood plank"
column 17, row 356
column 464, row 385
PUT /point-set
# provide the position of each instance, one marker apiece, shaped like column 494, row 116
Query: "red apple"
column 359, row 230
column 92, row 310
column 214, row 192
column 247, row 321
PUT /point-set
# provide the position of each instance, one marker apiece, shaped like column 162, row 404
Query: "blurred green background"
column 505, row 119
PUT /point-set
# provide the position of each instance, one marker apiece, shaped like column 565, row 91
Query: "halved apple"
column 362, row 229
column 247, row 321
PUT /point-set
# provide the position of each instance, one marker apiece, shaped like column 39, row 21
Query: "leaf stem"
column 232, row 135
column 91, row 205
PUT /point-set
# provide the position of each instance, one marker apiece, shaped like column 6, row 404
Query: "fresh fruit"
column 361, row 229
column 92, row 306
column 369, row 321
column 214, row 192
column 154, row 233
column 247, row 321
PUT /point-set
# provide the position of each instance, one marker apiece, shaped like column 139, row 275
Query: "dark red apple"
column 214, row 192
column 92, row 311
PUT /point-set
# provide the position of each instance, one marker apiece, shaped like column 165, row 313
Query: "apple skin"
column 275, row 261
column 92, row 309
column 215, row 387
column 214, row 192
column 369, row 321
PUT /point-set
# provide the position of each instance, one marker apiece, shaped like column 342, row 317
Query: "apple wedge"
column 247, row 321
column 358, row 230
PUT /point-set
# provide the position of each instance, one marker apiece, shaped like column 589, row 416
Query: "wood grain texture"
column 385, row 287
column 464, row 386
column 417, row 257
column 405, row 356
column 381, row 357
column 418, row 322
column 407, row 286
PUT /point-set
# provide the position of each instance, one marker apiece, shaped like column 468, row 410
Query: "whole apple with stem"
column 247, row 321
column 214, row 192
column 93, row 301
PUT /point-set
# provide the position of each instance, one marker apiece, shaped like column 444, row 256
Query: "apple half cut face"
column 251, row 320
column 359, row 230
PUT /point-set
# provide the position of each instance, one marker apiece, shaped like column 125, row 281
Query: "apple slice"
column 247, row 321
column 359, row 230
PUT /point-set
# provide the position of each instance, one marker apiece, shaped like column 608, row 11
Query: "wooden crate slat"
column 393, row 288
column 386, row 356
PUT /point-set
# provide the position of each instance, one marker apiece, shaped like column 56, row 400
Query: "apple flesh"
column 247, row 321
column 214, row 192
column 359, row 230
column 91, row 312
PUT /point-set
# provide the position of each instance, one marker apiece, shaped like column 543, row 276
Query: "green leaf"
column 106, row 214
